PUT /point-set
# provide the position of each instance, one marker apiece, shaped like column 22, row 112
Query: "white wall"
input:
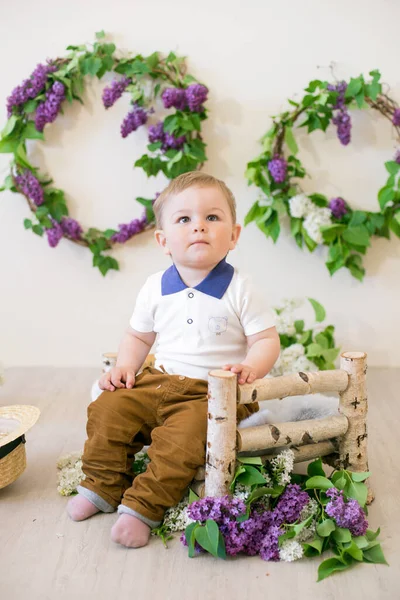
column 56, row 309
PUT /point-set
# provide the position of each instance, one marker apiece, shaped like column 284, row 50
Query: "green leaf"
column 360, row 476
column 325, row 528
column 9, row 128
column 252, row 214
column 100, row 35
column 38, row 229
column 361, row 541
column 8, row 146
column 27, row 224
column 250, row 476
column 190, row 535
column 318, row 483
column 329, row 566
column 290, row 140
column 208, row 537
column 375, row 555
column 358, row 235
column 319, row 310
column 354, row 551
column 299, row 326
column 91, row 65
column 358, row 491
column 314, row 350
column 250, row 460
column 315, row 469
column 372, row 535
column 385, row 195
column 193, row 497
column 353, row 88
column 313, row 547
column 30, row 106
column 392, row 167
column 341, row 535
column 31, row 133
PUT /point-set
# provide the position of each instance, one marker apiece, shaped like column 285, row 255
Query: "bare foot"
column 79, row 508
column 130, row 532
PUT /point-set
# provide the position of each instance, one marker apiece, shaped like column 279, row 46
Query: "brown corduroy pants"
column 166, row 412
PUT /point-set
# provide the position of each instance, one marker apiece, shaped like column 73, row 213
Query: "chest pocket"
column 217, row 325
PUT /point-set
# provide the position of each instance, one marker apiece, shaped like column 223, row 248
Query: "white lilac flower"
column 300, row 206
column 307, row 533
column 177, row 518
column 242, row 492
column 315, row 220
column 285, row 324
column 69, row 478
column 309, row 509
column 290, row 551
column 294, row 351
column 69, row 460
column 302, row 364
column 282, row 466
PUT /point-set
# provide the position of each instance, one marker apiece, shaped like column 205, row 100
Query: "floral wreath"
column 314, row 220
column 175, row 143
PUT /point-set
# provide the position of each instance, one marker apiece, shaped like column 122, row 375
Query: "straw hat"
column 14, row 423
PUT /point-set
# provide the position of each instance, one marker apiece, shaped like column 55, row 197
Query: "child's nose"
column 199, row 227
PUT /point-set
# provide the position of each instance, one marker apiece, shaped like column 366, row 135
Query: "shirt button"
column 190, row 294
column 181, row 377
column 190, row 321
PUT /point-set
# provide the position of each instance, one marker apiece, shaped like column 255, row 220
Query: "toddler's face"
column 197, row 228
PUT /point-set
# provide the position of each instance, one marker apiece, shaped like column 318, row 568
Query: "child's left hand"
column 246, row 374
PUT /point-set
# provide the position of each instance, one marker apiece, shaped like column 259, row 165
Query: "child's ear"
column 162, row 241
column 235, row 235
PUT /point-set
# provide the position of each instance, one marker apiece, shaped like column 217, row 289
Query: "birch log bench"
column 341, row 439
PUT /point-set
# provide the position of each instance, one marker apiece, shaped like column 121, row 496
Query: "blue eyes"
column 187, row 219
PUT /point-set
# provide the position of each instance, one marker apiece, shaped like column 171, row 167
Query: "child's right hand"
column 118, row 377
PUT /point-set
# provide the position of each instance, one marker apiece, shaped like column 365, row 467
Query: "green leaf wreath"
column 175, row 143
column 315, row 220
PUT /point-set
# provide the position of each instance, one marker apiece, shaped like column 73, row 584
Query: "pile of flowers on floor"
column 271, row 512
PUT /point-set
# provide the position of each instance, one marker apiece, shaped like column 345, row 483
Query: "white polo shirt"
column 201, row 328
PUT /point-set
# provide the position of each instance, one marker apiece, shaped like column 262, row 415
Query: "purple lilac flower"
column 170, row 141
column 341, row 88
column 338, row 207
column 54, row 234
column 270, row 547
column 133, row 120
column 71, row 228
column 196, row 95
column 30, row 87
column 290, row 505
column 343, row 122
column 348, row 515
column 342, row 118
column 30, row 186
column 278, row 168
column 47, row 111
column 112, row 93
column 396, row 117
column 156, row 132
column 128, row 230
column 397, row 157
column 222, row 510
column 174, row 97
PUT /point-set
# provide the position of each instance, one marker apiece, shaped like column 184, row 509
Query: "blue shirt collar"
column 215, row 284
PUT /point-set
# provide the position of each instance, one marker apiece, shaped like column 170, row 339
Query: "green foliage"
column 349, row 237
column 149, row 76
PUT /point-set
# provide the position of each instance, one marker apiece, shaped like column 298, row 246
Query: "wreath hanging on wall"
column 316, row 220
column 175, row 142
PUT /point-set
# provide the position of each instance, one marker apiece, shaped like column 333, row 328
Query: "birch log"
column 295, row 384
column 221, row 432
column 295, row 433
column 353, row 403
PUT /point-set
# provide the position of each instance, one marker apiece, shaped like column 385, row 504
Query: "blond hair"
column 188, row 180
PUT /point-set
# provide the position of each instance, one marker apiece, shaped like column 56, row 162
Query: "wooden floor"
column 45, row 556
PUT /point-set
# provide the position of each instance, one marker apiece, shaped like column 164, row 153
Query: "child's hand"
column 246, row 373
column 118, row 377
